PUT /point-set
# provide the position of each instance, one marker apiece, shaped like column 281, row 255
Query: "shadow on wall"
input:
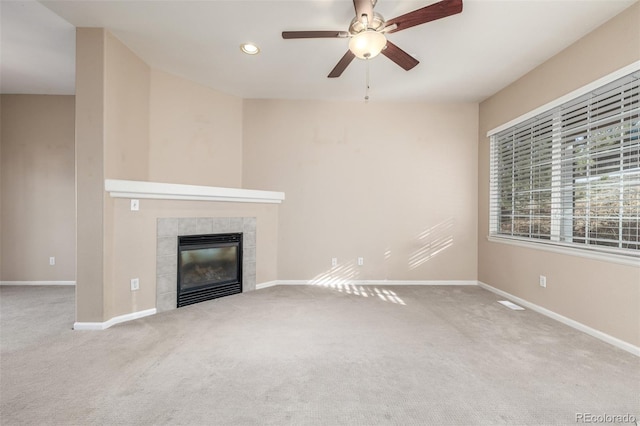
column 432, row 241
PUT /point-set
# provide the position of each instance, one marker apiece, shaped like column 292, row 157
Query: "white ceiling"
column 465, row 57
column 37, row 50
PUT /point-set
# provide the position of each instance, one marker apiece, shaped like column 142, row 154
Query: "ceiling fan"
column 367, row 32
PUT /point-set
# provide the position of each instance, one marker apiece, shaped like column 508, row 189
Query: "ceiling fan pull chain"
column 366, row 94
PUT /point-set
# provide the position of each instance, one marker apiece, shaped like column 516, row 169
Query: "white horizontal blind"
column 571, row 175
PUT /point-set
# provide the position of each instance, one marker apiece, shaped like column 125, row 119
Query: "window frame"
column 599, row 252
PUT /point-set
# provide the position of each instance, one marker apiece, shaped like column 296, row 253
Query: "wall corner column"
column 89, row 165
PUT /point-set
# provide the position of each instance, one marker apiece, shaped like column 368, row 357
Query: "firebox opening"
column 209, row 266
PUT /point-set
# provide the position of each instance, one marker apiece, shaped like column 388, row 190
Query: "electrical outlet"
column 334, row 262
column 52, row 260
column 543, row 281
column 360, row 261
column 135, row 205
column 135, row 284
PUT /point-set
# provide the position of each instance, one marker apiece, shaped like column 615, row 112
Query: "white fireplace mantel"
column 173, row 191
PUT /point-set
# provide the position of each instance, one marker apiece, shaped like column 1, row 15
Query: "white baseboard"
column 635, row 350
column 113, row 321
column 37, row 283
column 266, row 284
column 336, row 282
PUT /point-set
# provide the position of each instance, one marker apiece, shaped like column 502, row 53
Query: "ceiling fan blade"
column 429, row 13
column 342, row 65
column 399, row 56
column 314, row 34
column 363, row 7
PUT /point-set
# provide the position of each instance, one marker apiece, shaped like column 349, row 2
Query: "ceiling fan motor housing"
column 377, row 24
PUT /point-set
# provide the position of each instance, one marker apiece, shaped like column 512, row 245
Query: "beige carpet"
column 308, row 355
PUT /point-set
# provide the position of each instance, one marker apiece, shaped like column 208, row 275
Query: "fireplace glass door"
column 209, row 266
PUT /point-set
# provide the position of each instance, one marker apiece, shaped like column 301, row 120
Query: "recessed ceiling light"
column 250, row 48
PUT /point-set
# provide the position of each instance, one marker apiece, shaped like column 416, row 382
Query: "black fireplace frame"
column 210, row 290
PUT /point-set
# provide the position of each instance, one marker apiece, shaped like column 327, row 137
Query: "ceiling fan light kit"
column 367, row 32
column 367, row 44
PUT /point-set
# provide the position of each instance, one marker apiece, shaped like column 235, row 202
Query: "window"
column 570, row 175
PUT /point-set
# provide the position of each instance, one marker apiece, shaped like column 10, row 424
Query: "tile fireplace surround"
column 168, row 230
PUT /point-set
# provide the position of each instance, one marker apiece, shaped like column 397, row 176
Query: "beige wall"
column 90, row 48
column 126, row 111
column 602, row 295
column 196, row 133
column 394, row 183
column 38, row 201
column 126, row 149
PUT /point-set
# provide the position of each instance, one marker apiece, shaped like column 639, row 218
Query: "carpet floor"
column 398, row 355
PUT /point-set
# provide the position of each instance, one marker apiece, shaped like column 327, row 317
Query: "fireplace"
column 209, row 266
